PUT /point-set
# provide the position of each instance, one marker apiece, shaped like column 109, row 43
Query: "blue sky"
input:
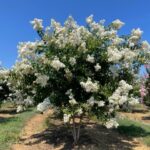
column 16, row 14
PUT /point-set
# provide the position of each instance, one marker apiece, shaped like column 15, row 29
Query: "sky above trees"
column 15, row 16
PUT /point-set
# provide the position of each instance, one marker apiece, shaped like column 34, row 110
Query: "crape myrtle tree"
column 83, row 70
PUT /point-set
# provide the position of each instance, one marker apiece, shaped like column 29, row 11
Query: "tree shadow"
column 146, row 118
column 140, row 111
column 4, row 120
column 133, row 131
column 93, row 137
column 8, row 111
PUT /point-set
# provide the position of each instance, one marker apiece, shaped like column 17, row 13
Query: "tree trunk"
column 76, row 131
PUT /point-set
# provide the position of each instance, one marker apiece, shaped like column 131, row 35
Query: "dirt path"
column 34, row 126
column 35, row 137
column 138, row 116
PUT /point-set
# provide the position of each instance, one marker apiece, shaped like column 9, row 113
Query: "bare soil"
column 56, row 137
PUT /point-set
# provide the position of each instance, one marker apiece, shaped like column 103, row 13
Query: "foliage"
column 82, row 70
column 147, row 87
column 5, row 91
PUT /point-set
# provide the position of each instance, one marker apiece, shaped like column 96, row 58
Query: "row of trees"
column 147, row 86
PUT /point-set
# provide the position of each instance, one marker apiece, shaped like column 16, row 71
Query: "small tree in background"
column 147, row 86
column 5, row 91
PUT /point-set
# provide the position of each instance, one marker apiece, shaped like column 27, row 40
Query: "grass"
column 11, row 127
column 135, row 129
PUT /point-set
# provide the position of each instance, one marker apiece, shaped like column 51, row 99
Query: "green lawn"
column 135, row 129
column 10, row 128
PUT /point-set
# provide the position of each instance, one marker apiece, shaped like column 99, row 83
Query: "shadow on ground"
column 133, row 131
column 8, row 111
column 146, row 118
column 93, row 137
column 4, row 120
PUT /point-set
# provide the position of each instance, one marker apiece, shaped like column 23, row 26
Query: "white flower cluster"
column 112, row 123
column 96, row 28
column 135, row 35
column 71, row 34
column 4, row 73
column 23, row 67
column 89, row 86
column 120, row 96
column 20, row 109
column 129, row 55
column 133, row 101
column 97, row 67
column 117, row 40
column 117, row 24
column 91, row 101
column 57, row 64
column 66, row 118
column 29, row 101
column 115, row 55
column 145, row 46
column 41, row 79
column 72, row 61
column 41, row 107
column 1, row 87
column 37, row 24
column 90, row 59
column 72, row 100
column 28, row 49
column 68, row 74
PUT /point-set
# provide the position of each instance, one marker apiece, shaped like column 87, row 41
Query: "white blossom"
column 73, row 101
column 80, row 111
column 20, row 109
column 89, row 19
column 120, row 95
column 91, row 101
column 57, row 64
column 145, row 45
column 111, row 124
column 1, row 87
column 117, row 24
column 90, row 58
column 68, row 74
column 137, row 32
column 117, row 41
column 114, row 55
column 128, row 54
column 37, row 24
column 131, row 44
column 72, row 61
column 133, row 101
column 29, row 101
column 66, row 118
column 101, row 103
column 70, row 23
column 90, row 86
column 41, row 79
column 43, row 106
column 97, row 67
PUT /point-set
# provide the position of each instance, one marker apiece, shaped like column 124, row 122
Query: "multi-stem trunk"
column 76, row 130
